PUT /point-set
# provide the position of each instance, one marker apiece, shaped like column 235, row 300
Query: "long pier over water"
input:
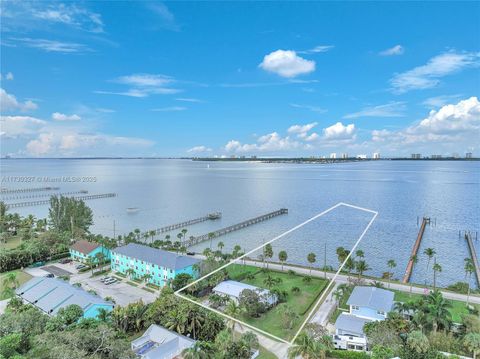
column 47, row 201
column 416, row 246
column 468, row 237
column 23, row 190
column 199, row 239
column 19, row 196
column 171, row 227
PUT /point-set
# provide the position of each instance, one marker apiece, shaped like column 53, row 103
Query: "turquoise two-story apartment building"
column 81, row 250
column 161, row 265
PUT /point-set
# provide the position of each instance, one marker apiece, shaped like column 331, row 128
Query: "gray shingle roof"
column 350, row 324
column 50, row 294
column 156, row 256
column 372, row 297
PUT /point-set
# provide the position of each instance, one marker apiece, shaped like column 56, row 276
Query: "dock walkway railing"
column 416, row 246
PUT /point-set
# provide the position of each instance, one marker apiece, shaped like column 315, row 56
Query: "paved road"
column 342, row 278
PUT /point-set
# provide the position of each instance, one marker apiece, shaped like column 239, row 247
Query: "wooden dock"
column 416, row 246
column 196, row 240
column 23, row 190
column 473, row 254
column 39, row 195
column 47, row 201
column 172, row 227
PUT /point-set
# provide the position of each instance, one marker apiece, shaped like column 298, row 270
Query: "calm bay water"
column 170, row 191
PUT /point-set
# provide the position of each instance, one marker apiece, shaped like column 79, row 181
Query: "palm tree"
column 311, row 258
column 437, row 268
column 146, row 277
column 220, row 246
column 270, row 281
column 199, row 350
column 267, row 252
column 10, row 283
column 307, row 347
column 282, row 257
column 137, row 233
column 130, row 272
column 429, row 252
column 362, row 267
column 418, row 342
column 235, row 311
column 211, row 235
column 103, row 315
column 91, row 263
column 472, row 343
column 152, row 234
column 360, row 254
column 236, row 250
column 469, row 270
column 184, row 233
column 391, row 264
column 438, row 312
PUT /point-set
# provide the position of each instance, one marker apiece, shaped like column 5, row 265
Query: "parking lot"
column 56, row 271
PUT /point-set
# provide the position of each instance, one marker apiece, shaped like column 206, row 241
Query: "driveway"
column 57, row 271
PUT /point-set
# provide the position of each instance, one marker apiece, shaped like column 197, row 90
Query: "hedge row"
column 346, row 354
column 17, row 258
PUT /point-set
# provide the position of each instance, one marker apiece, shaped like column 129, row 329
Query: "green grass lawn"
column 12, row 243
column 301, row 302
column 21, row 276
column 265, row 354
column 458, row 308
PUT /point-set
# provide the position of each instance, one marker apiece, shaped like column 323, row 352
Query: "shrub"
column 344, row 354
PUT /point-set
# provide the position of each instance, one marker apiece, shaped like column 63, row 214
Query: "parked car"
column 110, row 281
column 66, row 260
column 103, row 279
column 190, row 253
column 80, row 266
column 49, row 275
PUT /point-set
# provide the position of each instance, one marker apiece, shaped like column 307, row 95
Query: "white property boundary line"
column 325, row 291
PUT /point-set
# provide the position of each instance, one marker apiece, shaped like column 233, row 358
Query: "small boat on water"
column 133, row 209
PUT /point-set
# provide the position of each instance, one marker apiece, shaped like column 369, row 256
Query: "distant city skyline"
column 186, row 79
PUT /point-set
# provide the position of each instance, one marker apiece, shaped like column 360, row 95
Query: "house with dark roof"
column 81, row 250
column 366, row 304
column 51, row 294
column 161, row 267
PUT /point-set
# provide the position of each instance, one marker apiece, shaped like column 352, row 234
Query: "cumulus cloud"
column 9, row 102
column 271, row 142
column 57, row 116
column 396, row 50
column 428, row 75
column 42, row 145
column 199, row 149
column 339, row 131
column 287, row 63
column 13, row 126
column 392, row 109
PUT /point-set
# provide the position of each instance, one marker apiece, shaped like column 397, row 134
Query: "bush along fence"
column 16, row 259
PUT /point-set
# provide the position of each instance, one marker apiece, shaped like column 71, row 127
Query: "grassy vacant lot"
column 12, row 243
column 21, row 276
column 458, row 308
column 301, row 302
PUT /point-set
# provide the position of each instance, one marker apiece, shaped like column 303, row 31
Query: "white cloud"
column 8, row 76
column 52, row 45
column 287, row 63
column 439, row 101
column 428, row 75
column 13, row 126
column 9, row 102
column 169, row 109
column 199, row 149
column 167, row 18
column 143, row 85
column 301, row 129
column 42, row 145
column 339, row 131
column 57, row 116
column 187, row 99
column 392, row 109
column 396, row 50
column 308, row 107
column 271, row 142
column 317, row 49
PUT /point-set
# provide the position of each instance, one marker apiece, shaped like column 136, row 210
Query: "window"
column 381, row 312
column 355, row 307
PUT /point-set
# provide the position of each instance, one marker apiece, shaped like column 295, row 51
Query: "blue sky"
column 239, row 78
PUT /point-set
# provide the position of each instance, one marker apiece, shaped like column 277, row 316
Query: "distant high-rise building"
column 468, row 155
column 344, row 156
column 333, row 155
column 376, row 156
column 436, row 157
column 362, row 157
column 416, row 156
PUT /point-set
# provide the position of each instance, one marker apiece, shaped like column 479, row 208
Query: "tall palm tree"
column 236, row 311
column 362, row 267
column 469, row 270
column 360, row 254
column 104, row 315
column 282, row 257
column 437, row 268
column 307, row 347
column 311, row 258
column 429, row 252
column 391, row 264
column 438, row 312
column 220, row 246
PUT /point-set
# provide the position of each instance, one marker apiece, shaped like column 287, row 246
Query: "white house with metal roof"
column 233, row 289
column 367, row 304
column 51, row 294
column 160, row 343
